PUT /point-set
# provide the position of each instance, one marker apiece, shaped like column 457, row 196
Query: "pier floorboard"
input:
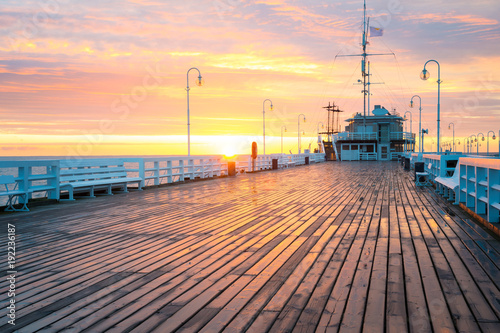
column 331, row 247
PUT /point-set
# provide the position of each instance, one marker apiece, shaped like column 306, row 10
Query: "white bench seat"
column 448, row 186
column 13, row 194
column 95, row 175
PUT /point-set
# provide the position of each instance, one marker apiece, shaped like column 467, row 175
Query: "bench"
column 448, row 186
column 91, row 175
column 422, row 178
column 12, row 194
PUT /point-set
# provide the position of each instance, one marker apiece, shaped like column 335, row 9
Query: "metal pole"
column 411, row 136
column 189, row 132
column 477, row 147
column 449, row 125
column 282, row 138
column 439, row 108
column 404, row 137
column 298, row 127
column 411, row 131
column 424, row 77
column 298, row 133
column 188, row 123
column 419, row 122
column 488, row 142
column 264, row 122
column 454, row 148
column 471, row 143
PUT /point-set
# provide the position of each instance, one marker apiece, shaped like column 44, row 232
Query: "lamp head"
column 475, row 139
column 304, row 119
column 483, row 138
column 425, row 74
column 411, row 103
column 449, row 126
column 200, row 81
column 271, row 107
column 494, row 137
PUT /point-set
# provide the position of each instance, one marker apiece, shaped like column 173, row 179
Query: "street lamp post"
column 322, row 126
column 419, row 122
column 424, row 76
column 454, row 143
column 454, row 149
column 264, row 121
column 469, row 150
column 411, row 126
column 488, row 141
column 298, row 126
column 478, row 134
column 282, row 137
column 199, row 82
column 319, row 136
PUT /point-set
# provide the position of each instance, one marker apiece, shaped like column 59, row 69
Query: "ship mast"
column 363, row 61
column 365, row 73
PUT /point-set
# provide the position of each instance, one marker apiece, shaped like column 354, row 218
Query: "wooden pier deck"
column 331, row 247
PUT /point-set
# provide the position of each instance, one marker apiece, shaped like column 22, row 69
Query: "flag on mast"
column 376, row 32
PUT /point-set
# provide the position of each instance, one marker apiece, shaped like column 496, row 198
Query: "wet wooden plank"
column 337, row 246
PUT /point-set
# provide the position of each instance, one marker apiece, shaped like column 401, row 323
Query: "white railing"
column 244, row 162
column 479, row 181
column 440, row 165
column 402, row 136
column 368, row 156
column 374, row 136
column 480, row 186
column 356, row 136
column 39, row 178
column 167, row 170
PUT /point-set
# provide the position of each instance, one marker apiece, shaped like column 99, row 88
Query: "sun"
column 229, row 152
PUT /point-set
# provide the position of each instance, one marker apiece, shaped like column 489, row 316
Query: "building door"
column 383, row 133
column 384, row 152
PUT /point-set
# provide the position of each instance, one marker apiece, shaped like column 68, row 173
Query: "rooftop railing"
column 374, row 136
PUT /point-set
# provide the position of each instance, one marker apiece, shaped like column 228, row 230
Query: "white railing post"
column 181, row 170
column 53, row 181
column 156, row 173
column 190, row 169
column 169, row 172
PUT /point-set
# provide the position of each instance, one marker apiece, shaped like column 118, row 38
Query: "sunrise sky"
column 109, row 77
